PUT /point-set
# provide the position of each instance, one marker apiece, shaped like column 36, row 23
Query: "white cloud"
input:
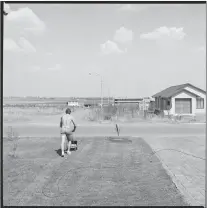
column 123, row 35
column 143, row 7
column 57, row 67
column 7, row 8
column 23, row 45
column 11, row 45
column 110, row 47
column 126, row 7
column 26, row 46
column 166, row 33
column 17, row 24
column 26, row 20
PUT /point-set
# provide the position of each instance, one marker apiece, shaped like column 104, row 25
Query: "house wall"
column 160, row 103
column 183, row 95
column 202, row 95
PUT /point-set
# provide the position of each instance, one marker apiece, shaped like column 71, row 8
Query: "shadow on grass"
column 58, row 152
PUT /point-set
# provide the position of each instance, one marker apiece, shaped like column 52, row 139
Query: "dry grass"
column 101, row 172
column 17, row 114
column 126, row 112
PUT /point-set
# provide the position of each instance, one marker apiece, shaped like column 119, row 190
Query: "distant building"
column 127, row 100
column 73, row 104
column 184, row 99
column 145, row 103
column 97, row 101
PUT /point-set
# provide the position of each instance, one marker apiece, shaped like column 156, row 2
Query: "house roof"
column 170, row 91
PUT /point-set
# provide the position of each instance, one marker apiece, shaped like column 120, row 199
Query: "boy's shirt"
column 67, row 122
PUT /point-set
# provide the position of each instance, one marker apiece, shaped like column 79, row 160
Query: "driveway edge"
column 186, row 195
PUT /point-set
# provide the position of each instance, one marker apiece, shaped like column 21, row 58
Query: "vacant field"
column 42, row 116
column 101, row 172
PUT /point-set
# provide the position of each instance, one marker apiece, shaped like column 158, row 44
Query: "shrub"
column 107, row 117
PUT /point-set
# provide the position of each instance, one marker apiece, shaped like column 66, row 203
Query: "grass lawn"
column 100, row 172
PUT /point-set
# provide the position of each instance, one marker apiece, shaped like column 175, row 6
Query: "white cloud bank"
column 25, row 18
column 126, row 7
column 164, row 32
column 23, row 45
column 26, row 46
column 18, row 24
column 110, row 47
column 11, row 45
column 123, row 35
column 143, row 7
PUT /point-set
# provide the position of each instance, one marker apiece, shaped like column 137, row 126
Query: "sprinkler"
column 117, row 129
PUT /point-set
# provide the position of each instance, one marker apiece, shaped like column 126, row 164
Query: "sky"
column 136, row 49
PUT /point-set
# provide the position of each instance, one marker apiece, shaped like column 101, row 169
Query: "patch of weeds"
column 13, row 136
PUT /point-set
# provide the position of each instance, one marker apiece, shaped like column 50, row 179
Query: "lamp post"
column 109, row 101
column 96, row 74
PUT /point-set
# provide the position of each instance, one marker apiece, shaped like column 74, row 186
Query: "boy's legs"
column 70, row 138
column 63, row 143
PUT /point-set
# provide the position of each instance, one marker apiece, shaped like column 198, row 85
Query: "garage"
column 183, row 105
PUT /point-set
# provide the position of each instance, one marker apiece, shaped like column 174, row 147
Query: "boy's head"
column 68, row 111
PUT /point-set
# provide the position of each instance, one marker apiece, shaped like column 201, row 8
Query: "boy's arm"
column 61, row 122
column 74, row 125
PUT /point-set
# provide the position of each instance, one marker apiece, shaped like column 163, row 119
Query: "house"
column 184, row 99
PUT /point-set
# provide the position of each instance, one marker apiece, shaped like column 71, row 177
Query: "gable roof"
column 170, row 91
column 183, row 90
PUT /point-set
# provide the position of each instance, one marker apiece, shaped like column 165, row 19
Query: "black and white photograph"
column 103, row 103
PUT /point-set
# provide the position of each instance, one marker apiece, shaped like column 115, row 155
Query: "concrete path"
column 184, row 159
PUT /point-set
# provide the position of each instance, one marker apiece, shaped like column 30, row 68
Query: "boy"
column 67, row 126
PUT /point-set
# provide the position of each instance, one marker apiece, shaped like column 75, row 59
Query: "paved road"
column 51, row 129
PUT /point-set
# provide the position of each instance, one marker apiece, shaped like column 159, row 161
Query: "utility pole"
column 108, row 96
column 96, row 74
column 101, row 93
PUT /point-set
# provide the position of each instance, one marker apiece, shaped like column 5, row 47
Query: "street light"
column 96, row 74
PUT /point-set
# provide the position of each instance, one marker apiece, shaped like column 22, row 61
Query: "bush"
column 108, row 117
column 109, row 111
column 157, row 112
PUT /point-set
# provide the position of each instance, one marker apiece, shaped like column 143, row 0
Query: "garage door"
column 183, row 105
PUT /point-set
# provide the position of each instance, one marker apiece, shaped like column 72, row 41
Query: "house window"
column 199, row 103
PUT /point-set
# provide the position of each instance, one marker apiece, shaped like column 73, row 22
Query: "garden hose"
column 154, row 152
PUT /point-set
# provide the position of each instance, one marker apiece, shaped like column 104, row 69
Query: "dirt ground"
column 100, row 172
